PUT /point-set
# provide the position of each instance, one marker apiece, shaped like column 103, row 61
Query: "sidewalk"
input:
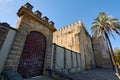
column 92, row 74
column 95, row 74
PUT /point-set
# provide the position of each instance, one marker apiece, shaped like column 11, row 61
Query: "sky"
column 64, row 12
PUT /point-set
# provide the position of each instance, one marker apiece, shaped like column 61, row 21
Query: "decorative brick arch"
column 32, row 59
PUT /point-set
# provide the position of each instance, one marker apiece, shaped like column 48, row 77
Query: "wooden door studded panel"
column 32, row 58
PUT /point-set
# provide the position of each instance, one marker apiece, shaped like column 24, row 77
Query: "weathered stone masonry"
column 29, row 21
column 102, row 58
column 66, row 60
column 70, row 48
column 7, row 35
column 75, row 38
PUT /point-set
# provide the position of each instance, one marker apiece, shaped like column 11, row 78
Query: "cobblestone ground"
column 95, row 74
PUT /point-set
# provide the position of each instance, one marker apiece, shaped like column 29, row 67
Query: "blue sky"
column 64, row 12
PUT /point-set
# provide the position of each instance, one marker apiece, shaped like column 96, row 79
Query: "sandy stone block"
column 59, row 58
column 68, row 59
column 12, row 57
column 74, row 59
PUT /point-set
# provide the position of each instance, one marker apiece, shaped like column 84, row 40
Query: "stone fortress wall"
column 68, row 36
column 69, row 48
column 63, row 59
column 7, row 35
column 30, row 22
column 75, row 38
column 101, row 54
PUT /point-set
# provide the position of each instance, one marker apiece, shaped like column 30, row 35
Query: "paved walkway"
column 40, row 78
column 95, row 74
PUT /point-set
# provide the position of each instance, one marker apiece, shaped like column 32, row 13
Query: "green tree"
column 117, row 56
column 118, row 52
column 104, row 25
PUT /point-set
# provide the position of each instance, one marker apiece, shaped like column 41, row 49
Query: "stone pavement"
column 92, row 74
column 40, row 78
column 95, row 74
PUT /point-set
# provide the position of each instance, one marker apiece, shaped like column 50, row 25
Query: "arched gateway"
column 32, row 58
column 30, row 54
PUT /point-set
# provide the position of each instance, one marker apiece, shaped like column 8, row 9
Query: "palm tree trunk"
column 109, row 53
column 112, row 54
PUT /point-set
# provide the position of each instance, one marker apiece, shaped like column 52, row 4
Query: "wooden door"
column 32, row 58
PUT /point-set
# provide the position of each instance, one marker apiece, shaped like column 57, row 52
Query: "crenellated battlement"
column 67, row 36
column 36, row 41
column 28, row 6
column 72, row 27
column 37, row 15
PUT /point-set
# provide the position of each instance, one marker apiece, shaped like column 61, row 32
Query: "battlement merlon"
column 27, row 10
column 38, row 13
column 28, row 6
column 74, row 26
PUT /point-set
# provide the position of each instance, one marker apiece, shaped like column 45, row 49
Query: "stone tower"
column 68, row 37
column 76, row 38
column 101, row 53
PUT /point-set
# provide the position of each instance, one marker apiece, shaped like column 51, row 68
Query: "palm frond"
column 105, row 23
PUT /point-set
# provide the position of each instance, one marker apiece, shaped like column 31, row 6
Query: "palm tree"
column 104, row 25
